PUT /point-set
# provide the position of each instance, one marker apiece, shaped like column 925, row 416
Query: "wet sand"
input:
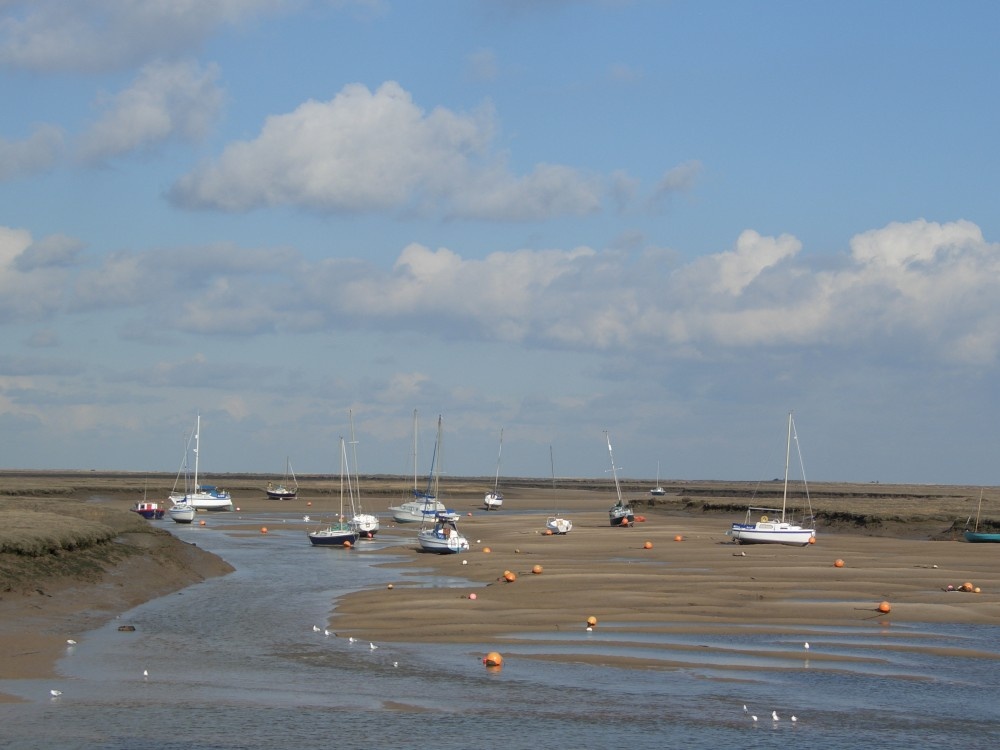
column 612, row 574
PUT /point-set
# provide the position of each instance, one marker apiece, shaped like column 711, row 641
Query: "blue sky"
column 674, row 221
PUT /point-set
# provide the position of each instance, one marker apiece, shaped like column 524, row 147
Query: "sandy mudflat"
column 898, row 545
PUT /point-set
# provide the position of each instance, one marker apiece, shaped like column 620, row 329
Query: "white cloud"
column 368, row 151
column 96, row 35
column 33, row 154
column 166, row 100
column 33, row 278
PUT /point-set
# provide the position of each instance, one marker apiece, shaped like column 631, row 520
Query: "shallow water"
column 234, row 662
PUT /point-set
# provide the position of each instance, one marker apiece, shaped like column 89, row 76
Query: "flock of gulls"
column 775, row 718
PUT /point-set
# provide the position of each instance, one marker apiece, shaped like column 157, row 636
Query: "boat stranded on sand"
column 774, row 527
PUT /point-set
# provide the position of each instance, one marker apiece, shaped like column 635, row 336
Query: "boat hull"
column 979, row 536
column 621, row 515
column 559, row 525
column 365, row 524
column 493, row 501
column 658, row 492
column 280, row 493
column 333, row 536
column 149, row 511
column 417, row 511
column 771, row 533
column 183, row 513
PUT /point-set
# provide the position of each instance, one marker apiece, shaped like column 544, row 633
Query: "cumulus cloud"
column 166, row 100
column 35, row 153
column 33, row 276
column 100, row 35
column 367, row 151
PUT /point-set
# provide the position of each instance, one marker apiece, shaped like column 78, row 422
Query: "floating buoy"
column 509, row 576
column 536, row 569
column 885, row 608
column 473, row 596
column 309, row 504
column 977, row 590
column 838, row 563
column 389, row 587
column 967, row 586
column 812, row 540
column 647, row 545
column 263, row 529
column 678, row 538
column 591, row 621
column 487, row 550
column 493, row 659
column 347, row 544
column 202, row 522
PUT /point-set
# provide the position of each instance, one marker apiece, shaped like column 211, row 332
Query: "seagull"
column 315, row 628
column 145, row 673
column 326, row 632
column 794, row 718
column 774, row 716
column 55, row 693
column 70, row 641
column 395, row 664
column 351, row 639
column 806, row 645
column 744, row 708
column 372, row 646
column 754, row 717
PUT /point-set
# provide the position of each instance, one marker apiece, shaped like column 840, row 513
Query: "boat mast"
column 414, row 452
column 788, row 453
column 197, row 435
column 496, row 483
column 614, row 469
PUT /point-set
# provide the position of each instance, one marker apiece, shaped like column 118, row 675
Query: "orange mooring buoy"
column 647, row 545
column 838, row 563
column 509, row 576
column 812, row 540
column 885, row 608
column 347, row 544
column 678, row 538
column 536, row 569
column 493, row 659
column 591, row 621
column 263, row 529
column 487, row 550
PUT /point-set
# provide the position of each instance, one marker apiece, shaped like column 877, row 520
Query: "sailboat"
column 424, row 503
column 657, row 491
column 775, row 529
column 365, row 524
column 441, row 533
column 282, row 491
column 494, row 498
column 556, row 523
column 976, row 535
column 621, row 513
column 338, row 533
column 202, row 496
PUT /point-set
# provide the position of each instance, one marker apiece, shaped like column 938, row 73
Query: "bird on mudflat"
column 774, row 716
column 744, row 708
column 55, row 693
column 351, row 639
column 70, row 642
column 315, row 628
column 372, row 646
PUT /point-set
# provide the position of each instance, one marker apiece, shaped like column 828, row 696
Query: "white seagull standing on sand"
column 806, row 645
column 315, row 628
column 372, row 646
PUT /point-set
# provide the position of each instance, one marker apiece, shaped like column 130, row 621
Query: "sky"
column 666, row 225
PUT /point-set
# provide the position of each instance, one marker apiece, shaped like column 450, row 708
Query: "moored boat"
column 974, row 534
column 284, row 490
column 205, row 496
column 424, row 506
column 776, row 528
column 494, row 498
column 337, row 533
column 621, row 513
column 149, row 510
column 443, row 536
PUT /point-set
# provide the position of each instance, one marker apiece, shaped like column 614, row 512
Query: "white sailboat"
column 621, row 513
column 774, row 527
column 657, row 491
column 440, row 533
column 365, row 524
column 424, row 504
column 202, row 496
column 556, row 523
column 494, row 498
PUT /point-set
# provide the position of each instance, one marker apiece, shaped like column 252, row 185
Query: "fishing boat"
column 494, row 498
column 621, row 513
column 365, row 524
column 282, row 490
column 203, row 496
column 424, row 505
column 657, row 491
column 556, row 524
column 149, row 510
column 773, row 525
column 337, row 533
column 441, row 534
column 975, row 535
